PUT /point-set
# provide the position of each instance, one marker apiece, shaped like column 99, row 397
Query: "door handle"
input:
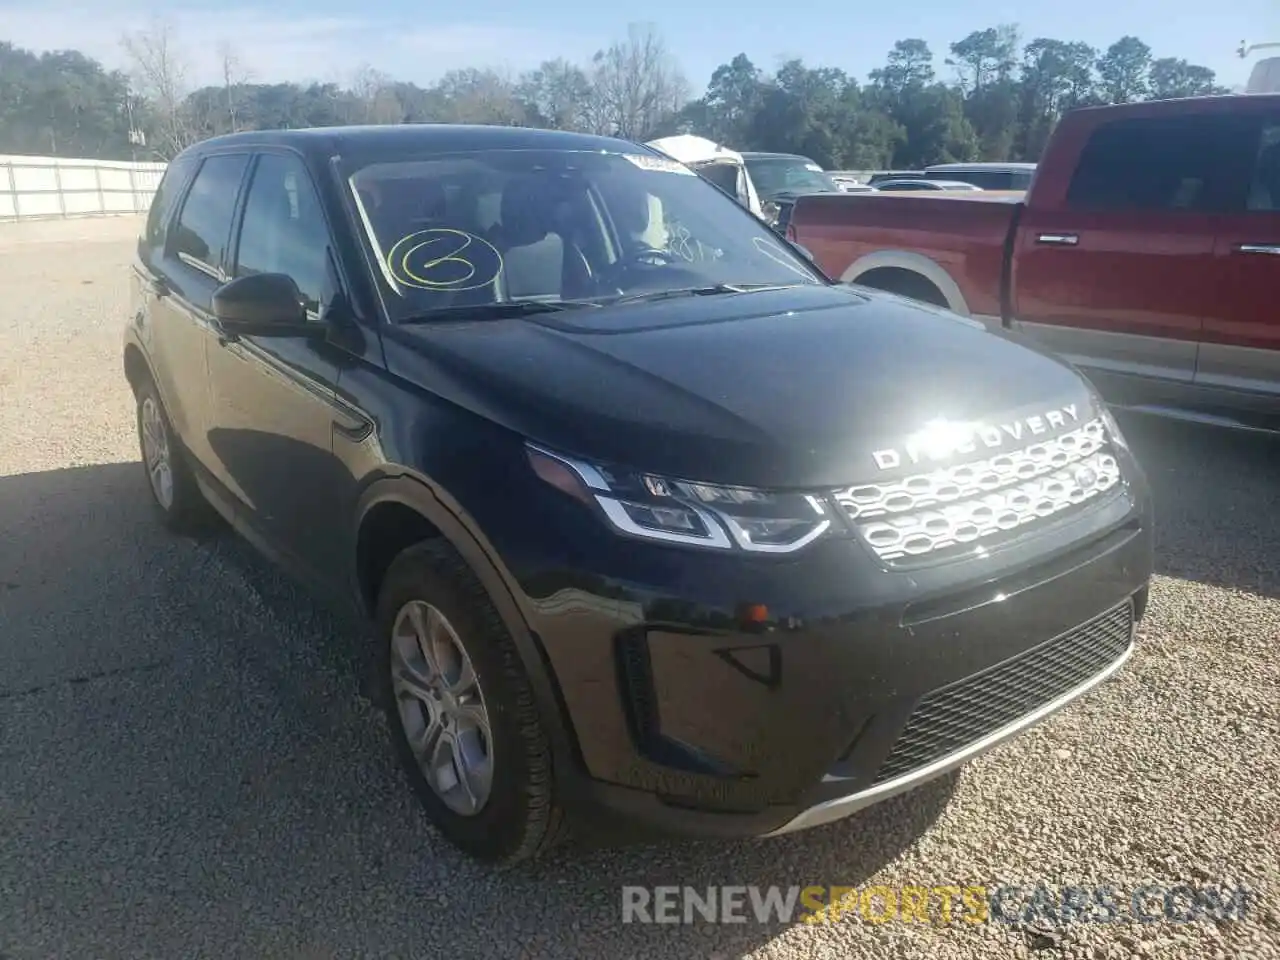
column 1269, row 248
column 1058, row 239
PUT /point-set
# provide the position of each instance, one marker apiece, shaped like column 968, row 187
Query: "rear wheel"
column 904, row 283
column 463, row 719
column 175, row 495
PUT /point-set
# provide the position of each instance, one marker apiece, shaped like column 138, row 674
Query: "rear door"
column 155, row 322
column 191, row 265
column 1114, row 274
column 1241, row 343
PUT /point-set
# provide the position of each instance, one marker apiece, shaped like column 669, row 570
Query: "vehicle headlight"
column 668, row 510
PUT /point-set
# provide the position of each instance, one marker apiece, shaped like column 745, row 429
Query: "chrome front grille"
column 927, row 514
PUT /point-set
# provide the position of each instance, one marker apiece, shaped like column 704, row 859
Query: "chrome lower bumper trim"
column 841, row 807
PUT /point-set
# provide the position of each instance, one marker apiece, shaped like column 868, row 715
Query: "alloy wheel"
column 156, row 454
column 441, row 708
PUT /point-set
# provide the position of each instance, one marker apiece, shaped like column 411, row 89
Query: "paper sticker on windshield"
column 814, row 167
column 663, row 164
column 444, row 259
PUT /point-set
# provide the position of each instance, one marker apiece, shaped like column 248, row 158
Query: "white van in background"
column 726, row 168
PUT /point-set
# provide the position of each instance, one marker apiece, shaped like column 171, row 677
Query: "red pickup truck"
column 1146, row 251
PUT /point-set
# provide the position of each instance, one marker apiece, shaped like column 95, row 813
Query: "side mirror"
column 262, row 305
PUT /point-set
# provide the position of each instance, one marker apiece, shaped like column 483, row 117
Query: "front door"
column 274, row 404
column 1111, row 275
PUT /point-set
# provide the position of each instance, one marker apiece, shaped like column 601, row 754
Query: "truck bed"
column 964, row 233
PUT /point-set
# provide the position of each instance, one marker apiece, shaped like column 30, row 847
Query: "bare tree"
column 376, row 98
column 474, row 95
column 160, row 76
column 234, row 76
column 558, row 93
column 636, row 84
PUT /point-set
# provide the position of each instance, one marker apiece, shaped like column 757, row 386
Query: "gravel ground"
column 186, row 768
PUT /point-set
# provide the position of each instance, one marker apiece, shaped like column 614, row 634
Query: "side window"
column 1152, row 164
column 1264, row 190
column 991, row 181
column 722, row 175
column 200, row 236
column 284, row 230
column 166, row 195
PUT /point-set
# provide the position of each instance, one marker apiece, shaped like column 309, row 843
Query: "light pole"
column 1265, row 75
column 136, row 137
column 1247, row 48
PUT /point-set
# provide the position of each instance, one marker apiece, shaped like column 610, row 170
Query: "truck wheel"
column 464, row 722
column 906, row 284
column 175, row 495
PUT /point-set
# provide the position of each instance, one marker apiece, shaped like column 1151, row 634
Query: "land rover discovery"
column 650, row 519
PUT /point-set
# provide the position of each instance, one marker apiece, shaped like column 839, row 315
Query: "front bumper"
column 940, row 736
column 713, row 695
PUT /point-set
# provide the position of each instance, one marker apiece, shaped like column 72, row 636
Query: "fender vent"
column 640, row 702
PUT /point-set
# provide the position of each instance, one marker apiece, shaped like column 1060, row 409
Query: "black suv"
column 652, row 521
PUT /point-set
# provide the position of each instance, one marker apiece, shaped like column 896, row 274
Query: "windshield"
column 464, row 230
column 773, row 175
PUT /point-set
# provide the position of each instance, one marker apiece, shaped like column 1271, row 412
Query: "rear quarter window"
column 166, row 197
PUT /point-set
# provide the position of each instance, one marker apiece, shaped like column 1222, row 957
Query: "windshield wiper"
column 504, row 310
column 707, row 291
column 509, row 309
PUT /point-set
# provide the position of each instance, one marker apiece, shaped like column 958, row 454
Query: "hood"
column 795, row 388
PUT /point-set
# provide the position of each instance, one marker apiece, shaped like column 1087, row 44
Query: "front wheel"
column 463, row 719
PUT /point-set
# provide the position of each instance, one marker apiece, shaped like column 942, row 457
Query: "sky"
column 418, row 40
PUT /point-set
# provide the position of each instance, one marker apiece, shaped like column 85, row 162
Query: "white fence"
column 43, row 187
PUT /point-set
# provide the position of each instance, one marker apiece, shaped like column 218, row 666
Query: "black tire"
column 187, row 512
column 522, row 818
column 910, row 285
